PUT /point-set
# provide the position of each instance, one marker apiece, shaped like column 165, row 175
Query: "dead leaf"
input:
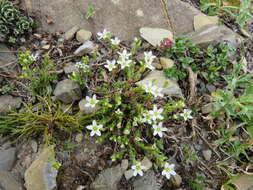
column 50, row 20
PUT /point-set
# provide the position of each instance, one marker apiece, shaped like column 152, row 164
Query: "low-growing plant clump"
column 13, row 24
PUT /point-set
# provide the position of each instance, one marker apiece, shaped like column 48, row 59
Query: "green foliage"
column 40, row 78
column 240, row 13
column 90, row 13
column 211, row 62
column 8, row 88
column 197, row 183
column 13, row 23
column 46, row 117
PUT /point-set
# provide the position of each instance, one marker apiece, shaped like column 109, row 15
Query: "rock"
column 41, row 175
column 87, row 110
column 166, row 63
column 79, row 137
column 8, row 182
column 67, row 91
column 124, row 164
column 8, row 103
column 70, row 68
column 7, row 59
column 34, row 146
column 7, row 158
column 207, row 154
column 170, row 87
column 211, row 88
column 87, row 48
column 157, row 65
column 176, row 180
column 108, row 179
column 146, row 163
column 201, row 20
column 214, row 34
column 124, row 20
column 46, row 47
column 155, row 35
column 128, row 174
column 83, row 35
column 147, row 182
column 69, row 35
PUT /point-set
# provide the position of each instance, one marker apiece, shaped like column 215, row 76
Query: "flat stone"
column 86, row 48
column 9, row 103
column 146, row 163
column 155, row 35
column 128, row 174
column 41, row 175
column 147, row 182
column 7, row 60
column 67, row 91
column 214, row 34
column 83, row 35
column 207, row 154
column 124, row 18
column 7, row 158
column 170, row 87
column 79, row 137
column 70, row 68
column 201, row 20
column 8, row 182
column 166, row 63
column 69, row 34
column 87, row 110
column 108, row 179
column 46, row 47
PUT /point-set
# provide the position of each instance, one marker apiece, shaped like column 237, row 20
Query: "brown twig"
column 165, row 12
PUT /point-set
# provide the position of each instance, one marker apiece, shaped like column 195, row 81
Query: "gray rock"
column 214, row 34
column 70, row 68
column 176, row 180
column 86, row 48
column 166, row 63
column 7, row 59
column 155, row 35
column 46, row 47
column 8, row 103
column 170, row 87
column 201, row 20
column 41, row 175
column 87, row 110
column 124, row 20
column 67, row 91
column 8, row 182
column 128, row 174
column 211, row 88
column 83, row 35
column 69, row 35
column 157, row 65
column 7, row 158
column 34, row 145
column 109, row 178
column 146, row 163
column 207, row 154
column 147, row 182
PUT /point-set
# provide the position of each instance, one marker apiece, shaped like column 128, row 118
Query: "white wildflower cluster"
column 154, row 90
column 124, row 59
column 104, row 35
column 186, row 115
column 81, row 65
column 149, row 59
column 95, row 128
column 115, row 41
column 153, row 117
column 137, row 169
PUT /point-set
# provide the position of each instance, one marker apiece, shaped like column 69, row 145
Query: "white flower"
column 137, row 169
column 146, row 118
column 81, row 65
column 156, row 113
column 110, row 65
column 95, row 128
column 124, row 63
column 149, row 57
column 103, row 35
column 115, row 41
column 118, row 112
column 124, row 55
column 156, row 91
column 168, row 170
column 149, row 65
column 148, row 87
column 33, row 57
column 186, row 114
column 136, row 39
column 159, row 129
column 91, row 102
